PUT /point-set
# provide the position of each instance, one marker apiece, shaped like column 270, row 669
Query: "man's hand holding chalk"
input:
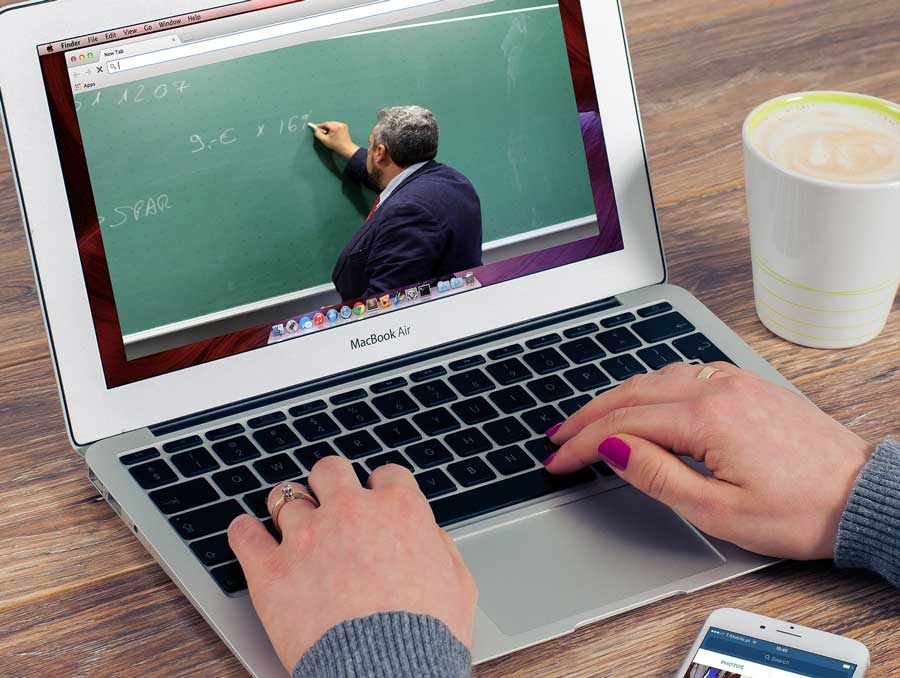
column 334, row 136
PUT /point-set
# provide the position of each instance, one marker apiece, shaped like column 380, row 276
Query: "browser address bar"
column 264, row 33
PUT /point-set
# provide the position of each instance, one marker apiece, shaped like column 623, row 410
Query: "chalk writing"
column 140, row 209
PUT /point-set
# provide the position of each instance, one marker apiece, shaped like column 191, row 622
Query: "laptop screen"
column 272, row 169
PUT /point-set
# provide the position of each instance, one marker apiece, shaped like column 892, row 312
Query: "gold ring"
column 289, row 494
column 707, row 372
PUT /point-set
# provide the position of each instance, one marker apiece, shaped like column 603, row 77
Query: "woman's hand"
column 362, row 551
column 782, row 470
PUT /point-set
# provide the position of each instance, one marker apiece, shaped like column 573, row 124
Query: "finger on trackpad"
column 581, row 556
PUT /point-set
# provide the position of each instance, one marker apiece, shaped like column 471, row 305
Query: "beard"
column 377, row 174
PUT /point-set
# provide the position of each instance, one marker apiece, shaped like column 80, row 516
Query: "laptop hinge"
column 236, row 408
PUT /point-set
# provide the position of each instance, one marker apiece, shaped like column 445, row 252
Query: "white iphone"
column 739, row 644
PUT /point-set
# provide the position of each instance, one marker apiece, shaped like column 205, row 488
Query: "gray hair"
column 410, row 134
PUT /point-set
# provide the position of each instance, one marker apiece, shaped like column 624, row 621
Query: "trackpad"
column 579, row 557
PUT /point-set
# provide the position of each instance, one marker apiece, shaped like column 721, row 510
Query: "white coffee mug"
column 826, row 254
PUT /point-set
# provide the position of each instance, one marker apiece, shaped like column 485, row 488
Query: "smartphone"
column 739, row 644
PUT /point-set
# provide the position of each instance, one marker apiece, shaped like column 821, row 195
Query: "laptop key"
column 582, row 350
column 277, row 438
column 509, row 371
column 623, row 367
column 356, row 415
column 139, row 456
column 433, row 393
column 277, row 468
column 182, row 444
column 542, row 418
column 389, row 458
column 603, row 469
column 546, row 361
column 474, row 410
column 572, row 405
column 618, row 340
column 546, row 340
column 586, row 377
column 427, row 374
column 258, row 502
column 429, row 453
column 266, row 419
column 662, row 327
column 470, row 472
column 394, row 404
column 213, row 550
column 308, row 456
column 510, row 460
column 698, row 347
column 153, row 474
column 541, row 448
column 580, row 330
column 361, row 473
column 348, row 397
column 236, row 480
column 507, row 492
column 397, row 433
column 512, row 399
column 505, row 352
column 207, row 520
column 183, row 496
column 549, row 389
column 389, row 385
column 315, row 427
column 658, row 356
column 468, row 442
column 307, row 408
column 472, row 382
column 506, row 431
column 654, row 309
column 194, row 462
column 236, row 450
column 466, row 363
column 230, row 577
column 434, row 483
column 356, row 445
column 616, row 320
column 224, row 432
column 435, row 422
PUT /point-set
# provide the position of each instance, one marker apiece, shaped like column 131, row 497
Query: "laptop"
column 184, row 224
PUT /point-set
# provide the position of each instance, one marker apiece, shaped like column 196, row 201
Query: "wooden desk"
column 78, row 594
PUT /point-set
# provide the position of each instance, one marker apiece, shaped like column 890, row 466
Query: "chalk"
column 314, row 128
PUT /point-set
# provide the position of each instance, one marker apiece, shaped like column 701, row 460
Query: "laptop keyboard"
column 471, row 430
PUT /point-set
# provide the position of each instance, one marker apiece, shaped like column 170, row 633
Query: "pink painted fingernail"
column 615, row 452
column 550, row 432
column 549, row 459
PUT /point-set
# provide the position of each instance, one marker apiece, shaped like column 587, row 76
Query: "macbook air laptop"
column 185, row 228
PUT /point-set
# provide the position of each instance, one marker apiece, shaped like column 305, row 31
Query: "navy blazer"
column 429, row 226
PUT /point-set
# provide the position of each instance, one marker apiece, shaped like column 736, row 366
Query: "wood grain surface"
column 79, row 596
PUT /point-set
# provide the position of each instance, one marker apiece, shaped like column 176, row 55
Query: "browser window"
column 211, row 220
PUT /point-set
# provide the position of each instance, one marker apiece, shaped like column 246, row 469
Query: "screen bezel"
column 807, row 639
column 94, row 412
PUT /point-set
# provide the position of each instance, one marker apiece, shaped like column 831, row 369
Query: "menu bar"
column 169, row 23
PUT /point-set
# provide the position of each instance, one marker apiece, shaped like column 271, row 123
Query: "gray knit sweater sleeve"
column 387, row 645
column 869, row 533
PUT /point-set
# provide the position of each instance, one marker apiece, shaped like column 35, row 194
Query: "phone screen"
column 726, row 654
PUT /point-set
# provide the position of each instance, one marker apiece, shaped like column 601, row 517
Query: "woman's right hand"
column 782, row 470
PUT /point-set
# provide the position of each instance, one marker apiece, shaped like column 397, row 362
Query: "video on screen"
column 310, row 185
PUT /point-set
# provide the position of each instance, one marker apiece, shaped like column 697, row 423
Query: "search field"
column 265, row 33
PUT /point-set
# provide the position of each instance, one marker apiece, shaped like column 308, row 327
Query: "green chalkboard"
column 212, row 193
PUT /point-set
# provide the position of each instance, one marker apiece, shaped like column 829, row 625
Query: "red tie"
column 374, row 207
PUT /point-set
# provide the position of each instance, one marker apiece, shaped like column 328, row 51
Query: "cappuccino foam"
column 833, row 141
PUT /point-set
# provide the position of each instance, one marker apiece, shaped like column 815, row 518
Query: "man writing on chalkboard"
column 425, row 222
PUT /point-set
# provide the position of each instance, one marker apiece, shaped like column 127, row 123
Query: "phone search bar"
column 264, row 33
